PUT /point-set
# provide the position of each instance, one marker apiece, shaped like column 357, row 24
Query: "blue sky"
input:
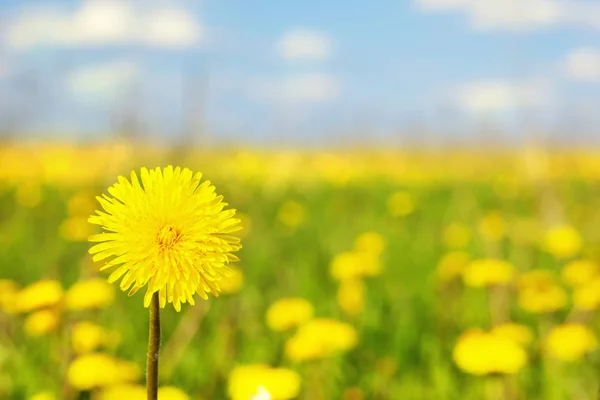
column 302, row 70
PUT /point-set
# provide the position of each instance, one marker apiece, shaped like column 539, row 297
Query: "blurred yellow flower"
column 245, row 381
column 492, row 226
column 539, row 292
column 41, row 323
column 87, row 337
column 43, row 396
column 586, row 296
column 354, row 264
column 452, row 265
column 579, row 272
column 351, row 296
column 40, row 294
column 456, row 236
column 536, row 277
column 400, row 204
column 288, row 313
column 97, row 370
column 570, row 342
column 89, row 294
column 488, row 272
column 8, row 293
column 481, row 353
column 520, row 334
column 319, row 338
column 76, row 229
column 563, row 241
column 369, row 243
column 170, row 233
column 291, row 213
column 232, row 284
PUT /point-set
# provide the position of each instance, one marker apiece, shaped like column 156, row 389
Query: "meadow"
column 364, row 274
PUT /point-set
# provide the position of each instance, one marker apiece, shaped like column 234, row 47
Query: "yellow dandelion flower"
column 539, row 292
column 87, row 337
column 452, row 265
column 520, row 334
column 8, row 293
column 488, row 272
column 456, row 236
column 40, row 294
column 169, row 232
column 369, row 243
column 351, row 296
column 89, row 294
column 563, row 241
column 288, row 313
column 400, row 204
column 291, row 213
column 232, row 284
column 481, row 353
column 319, row 338
column 492, row 226
column 536, row 277
column 579, row 272
column 246, row 381
column 354, row 264
column 570, row 342
column 98, row 370
column 41, row 323
column 587, row 296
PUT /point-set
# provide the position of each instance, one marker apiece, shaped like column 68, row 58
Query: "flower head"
column 89, row 294
column 288, row 313
column 40, row 294
column 256, row 381
column 488, row 272
column 579, row 272
column 320, row 338
column 539, row 292
column 167, row 231
column 563, row 241
column 481, row 353
column 41, row 323
column 570, row 342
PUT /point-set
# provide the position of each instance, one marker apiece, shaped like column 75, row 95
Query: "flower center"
column 168, row 236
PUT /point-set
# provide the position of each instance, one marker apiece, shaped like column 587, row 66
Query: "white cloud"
column 583, row 64
column 103, row 22
column 489, row 96
column 302, row 44
column 103, row 80
column 519, row 15
column 299, row 88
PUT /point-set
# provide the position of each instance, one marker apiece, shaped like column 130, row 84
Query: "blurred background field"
column 388, row 242
column 420, row 216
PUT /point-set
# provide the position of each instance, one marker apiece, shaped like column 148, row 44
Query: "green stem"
column 153, row 349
